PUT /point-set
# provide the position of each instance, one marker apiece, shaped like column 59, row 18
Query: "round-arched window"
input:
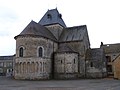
column 40, row 52
column 21, row 52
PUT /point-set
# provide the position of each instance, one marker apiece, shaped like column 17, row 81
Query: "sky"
column 102, row 18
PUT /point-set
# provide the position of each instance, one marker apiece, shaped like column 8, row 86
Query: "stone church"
column 51, row 50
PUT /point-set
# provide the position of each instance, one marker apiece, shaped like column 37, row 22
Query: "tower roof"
column 35, row 29
column 52, row 17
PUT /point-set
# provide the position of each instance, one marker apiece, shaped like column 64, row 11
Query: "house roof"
column 64, row 48
column 73, row 33
column 94, row 54
column 111, row 48
column 35, row 29
column 52, row 17
column 116, row 58
column 6, row 57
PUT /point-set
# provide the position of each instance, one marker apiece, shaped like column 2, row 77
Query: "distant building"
column 49, row 49
column 116, row 67
column 112, row 51
column 6, row 65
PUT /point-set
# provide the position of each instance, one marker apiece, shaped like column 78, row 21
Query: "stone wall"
column 66, row 65
column 80, row 47
column 31, row 66
column 95, row 63
column 31, row 45
column 93, row 72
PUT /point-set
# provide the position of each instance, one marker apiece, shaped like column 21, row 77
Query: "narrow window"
column 40, row 52
column 91, row 64
column 61, row 62
column 74, row 61
column 21, row 52
column 108, row 58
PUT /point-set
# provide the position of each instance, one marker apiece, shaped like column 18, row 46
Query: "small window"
column 91, row 64
column 21, row 52
column 108, row 58
column 40, row 52
column 61, row 61
column 49, row 16
column 74, row 61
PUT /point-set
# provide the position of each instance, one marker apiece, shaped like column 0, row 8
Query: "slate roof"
column 94, row 54
column 35, row 29
column 73, row 33
column 64, row 48
column 111, row 48
column 52, row 17
column 6, row 57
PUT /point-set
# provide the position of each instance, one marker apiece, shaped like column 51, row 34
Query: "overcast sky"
column 102, row 18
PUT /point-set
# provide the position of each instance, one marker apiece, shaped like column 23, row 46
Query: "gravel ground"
column 86, row 84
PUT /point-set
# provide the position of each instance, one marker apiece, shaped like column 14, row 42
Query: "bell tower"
column 53, row 21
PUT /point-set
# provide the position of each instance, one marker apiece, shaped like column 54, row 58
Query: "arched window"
column 21, row 52
column 40, row 52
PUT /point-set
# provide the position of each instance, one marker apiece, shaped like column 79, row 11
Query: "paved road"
column 88, row 84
